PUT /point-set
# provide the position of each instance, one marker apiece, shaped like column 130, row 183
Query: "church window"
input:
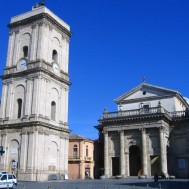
column 54, row 55
column 25, row 51
column 19, row 102
column 53, row 110
column 144, row 93
column 87, row 151
column 75, row 152
column 146, row 108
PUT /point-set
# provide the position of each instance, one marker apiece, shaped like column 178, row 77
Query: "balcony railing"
column 144, row 111
column 74, row 157
column 87, row 158
column 78, row 158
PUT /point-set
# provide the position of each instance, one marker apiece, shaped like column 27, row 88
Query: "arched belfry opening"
column 53, row 110
column 19, row 108
column 54, row 56
column 134, row 160
column 25, row 51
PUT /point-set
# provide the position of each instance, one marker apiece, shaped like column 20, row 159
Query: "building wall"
column 170, row 104
column 34, row 133
column 83, row 163
column 74, row 170
column 45, row 155
column 178, row 150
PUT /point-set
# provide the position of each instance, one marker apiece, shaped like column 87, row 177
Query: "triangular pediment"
column 145, row 91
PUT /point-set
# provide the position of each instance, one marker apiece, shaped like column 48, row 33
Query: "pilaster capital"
column 142, row 129
column 105, row 133
column 121, row 132
column 162, row 129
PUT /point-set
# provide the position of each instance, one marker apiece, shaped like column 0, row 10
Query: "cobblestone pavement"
column 107, row 184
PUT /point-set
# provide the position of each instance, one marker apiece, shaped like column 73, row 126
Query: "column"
column 66, row 154
column 33, row 51
column 4, row 157
column 144, row 153
column 62, row 156
column 163, row 153
column 122, row 156
column 41, row 36
column 10, row 48
column 47, row 101
column 23, row 151
column 9, row 101
column 66, row 55
column 127, row 165
column 31, row 152
column 106, row 159
column 3, row 101
column 35, row 96
column 28, row 98
column 15, row 51
column 61, row 105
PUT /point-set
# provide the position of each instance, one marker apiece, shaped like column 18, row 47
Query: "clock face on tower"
column 21, row 64
column 55, row 68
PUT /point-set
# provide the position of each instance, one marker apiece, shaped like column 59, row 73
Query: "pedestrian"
column 156, row 178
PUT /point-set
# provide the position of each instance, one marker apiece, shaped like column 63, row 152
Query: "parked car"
column 7, row 180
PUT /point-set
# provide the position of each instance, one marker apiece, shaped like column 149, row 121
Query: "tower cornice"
column 37, row 18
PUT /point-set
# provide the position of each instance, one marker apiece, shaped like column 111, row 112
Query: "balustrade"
column 144, row 111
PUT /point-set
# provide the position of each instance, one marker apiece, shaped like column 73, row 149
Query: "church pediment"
column 145, row 91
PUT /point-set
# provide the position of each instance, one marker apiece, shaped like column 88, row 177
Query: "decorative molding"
column 41, row 18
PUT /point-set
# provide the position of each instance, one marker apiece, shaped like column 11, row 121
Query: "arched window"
column 75, row 152
column 54, row 55
column 87, row 151
column 53, row 110
column 19, row 102
column 25, row 51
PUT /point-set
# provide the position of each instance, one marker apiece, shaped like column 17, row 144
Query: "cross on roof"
column 42, row 2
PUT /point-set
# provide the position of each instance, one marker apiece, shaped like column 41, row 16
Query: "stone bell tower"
column 34, row 104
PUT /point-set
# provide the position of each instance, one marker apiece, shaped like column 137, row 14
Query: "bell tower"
column 34, row 103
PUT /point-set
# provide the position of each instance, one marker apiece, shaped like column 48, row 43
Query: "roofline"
column 117, row 100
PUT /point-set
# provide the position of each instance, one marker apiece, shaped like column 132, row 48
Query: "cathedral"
column 147, row 135
column 34, row 131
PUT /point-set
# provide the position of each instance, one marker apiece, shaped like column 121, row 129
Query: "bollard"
column 147, row 186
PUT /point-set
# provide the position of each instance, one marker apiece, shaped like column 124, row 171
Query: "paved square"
column 107, row 184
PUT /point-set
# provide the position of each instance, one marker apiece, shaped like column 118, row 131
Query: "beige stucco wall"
column 83, row 163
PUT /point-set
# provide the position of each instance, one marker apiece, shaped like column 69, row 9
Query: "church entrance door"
column 134, row 160
column 115, row 166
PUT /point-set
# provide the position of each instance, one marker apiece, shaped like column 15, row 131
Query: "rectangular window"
column 146, row 108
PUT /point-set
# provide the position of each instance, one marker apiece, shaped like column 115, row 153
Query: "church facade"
column 148, row 134
column 34, row 129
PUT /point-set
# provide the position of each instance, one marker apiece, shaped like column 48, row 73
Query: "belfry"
column 34, row 104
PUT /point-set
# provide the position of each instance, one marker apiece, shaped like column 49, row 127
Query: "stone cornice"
column 36, row 18
column 35, row 70
column 137, row 118
column 33, row 124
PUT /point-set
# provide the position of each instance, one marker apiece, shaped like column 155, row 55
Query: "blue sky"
column 114, row 44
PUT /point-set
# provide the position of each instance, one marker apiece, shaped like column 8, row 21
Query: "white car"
column 7, row 180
